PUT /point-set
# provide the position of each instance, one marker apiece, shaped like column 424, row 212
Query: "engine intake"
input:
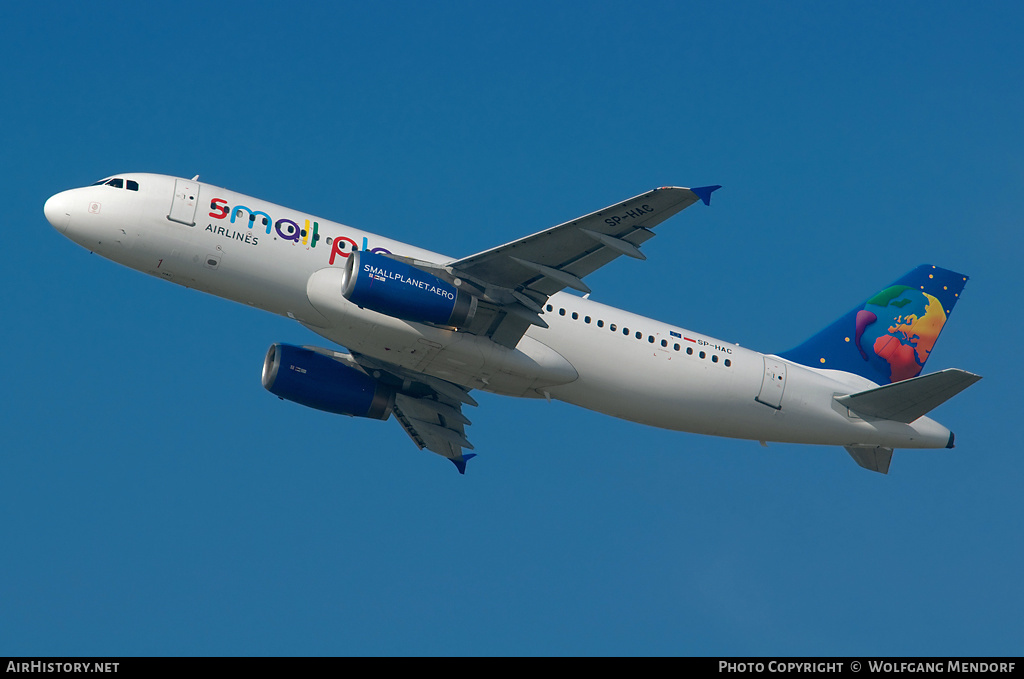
column 397, row 289
column 318, row 381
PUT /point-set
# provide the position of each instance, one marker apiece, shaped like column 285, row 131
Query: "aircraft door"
column 183, row 205
column 774, row 383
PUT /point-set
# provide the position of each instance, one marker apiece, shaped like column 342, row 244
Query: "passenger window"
column 728, row 363
column 664, row 343
column 612, row 327
column 561, row 312
column 625, row 331
column 702, row 354
column 600, row 323
column 549, row 307
column 714, row 358
column 586, row 319
column 639, row 335
column 575, row 316
column 689, row 351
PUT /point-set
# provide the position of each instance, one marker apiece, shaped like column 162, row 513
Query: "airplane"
column 423, row 330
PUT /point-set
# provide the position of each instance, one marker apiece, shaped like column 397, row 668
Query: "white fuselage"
column 592, row 355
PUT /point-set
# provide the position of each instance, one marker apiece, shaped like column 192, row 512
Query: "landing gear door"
column 773, row 384
column 183, row 206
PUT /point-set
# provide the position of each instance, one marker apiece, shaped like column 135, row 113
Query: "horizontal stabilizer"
column 872, row 458
column 910, row 399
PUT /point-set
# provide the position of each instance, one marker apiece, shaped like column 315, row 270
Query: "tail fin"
column 889, row 336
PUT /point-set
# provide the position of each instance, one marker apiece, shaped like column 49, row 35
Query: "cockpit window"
column 119, row 183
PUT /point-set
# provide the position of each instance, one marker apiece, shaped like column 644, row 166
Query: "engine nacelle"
column 390, row 287
column 318, row 381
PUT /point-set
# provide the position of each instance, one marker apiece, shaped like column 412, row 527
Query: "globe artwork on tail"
column 897, row 329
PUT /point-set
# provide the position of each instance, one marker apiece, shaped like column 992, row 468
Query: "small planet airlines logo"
column 337, row 248
column 286, row 229
column 897, row 329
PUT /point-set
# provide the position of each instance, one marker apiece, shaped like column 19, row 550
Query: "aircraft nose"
column 58, row 211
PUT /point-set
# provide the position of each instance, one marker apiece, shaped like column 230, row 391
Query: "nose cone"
column 58, row 211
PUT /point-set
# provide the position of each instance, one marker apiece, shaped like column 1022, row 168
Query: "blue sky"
column 154, row 499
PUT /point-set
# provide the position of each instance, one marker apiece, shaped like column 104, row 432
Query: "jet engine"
column 397, row 289
column 325, row 383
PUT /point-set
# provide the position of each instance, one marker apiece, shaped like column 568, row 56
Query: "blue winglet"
column 704, row 192
column 460, row 463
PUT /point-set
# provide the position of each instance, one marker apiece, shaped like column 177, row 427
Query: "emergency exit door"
column 774, row 383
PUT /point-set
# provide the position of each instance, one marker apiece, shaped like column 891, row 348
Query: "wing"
column 512, row 283
column 515, row 280
column 429, row 409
